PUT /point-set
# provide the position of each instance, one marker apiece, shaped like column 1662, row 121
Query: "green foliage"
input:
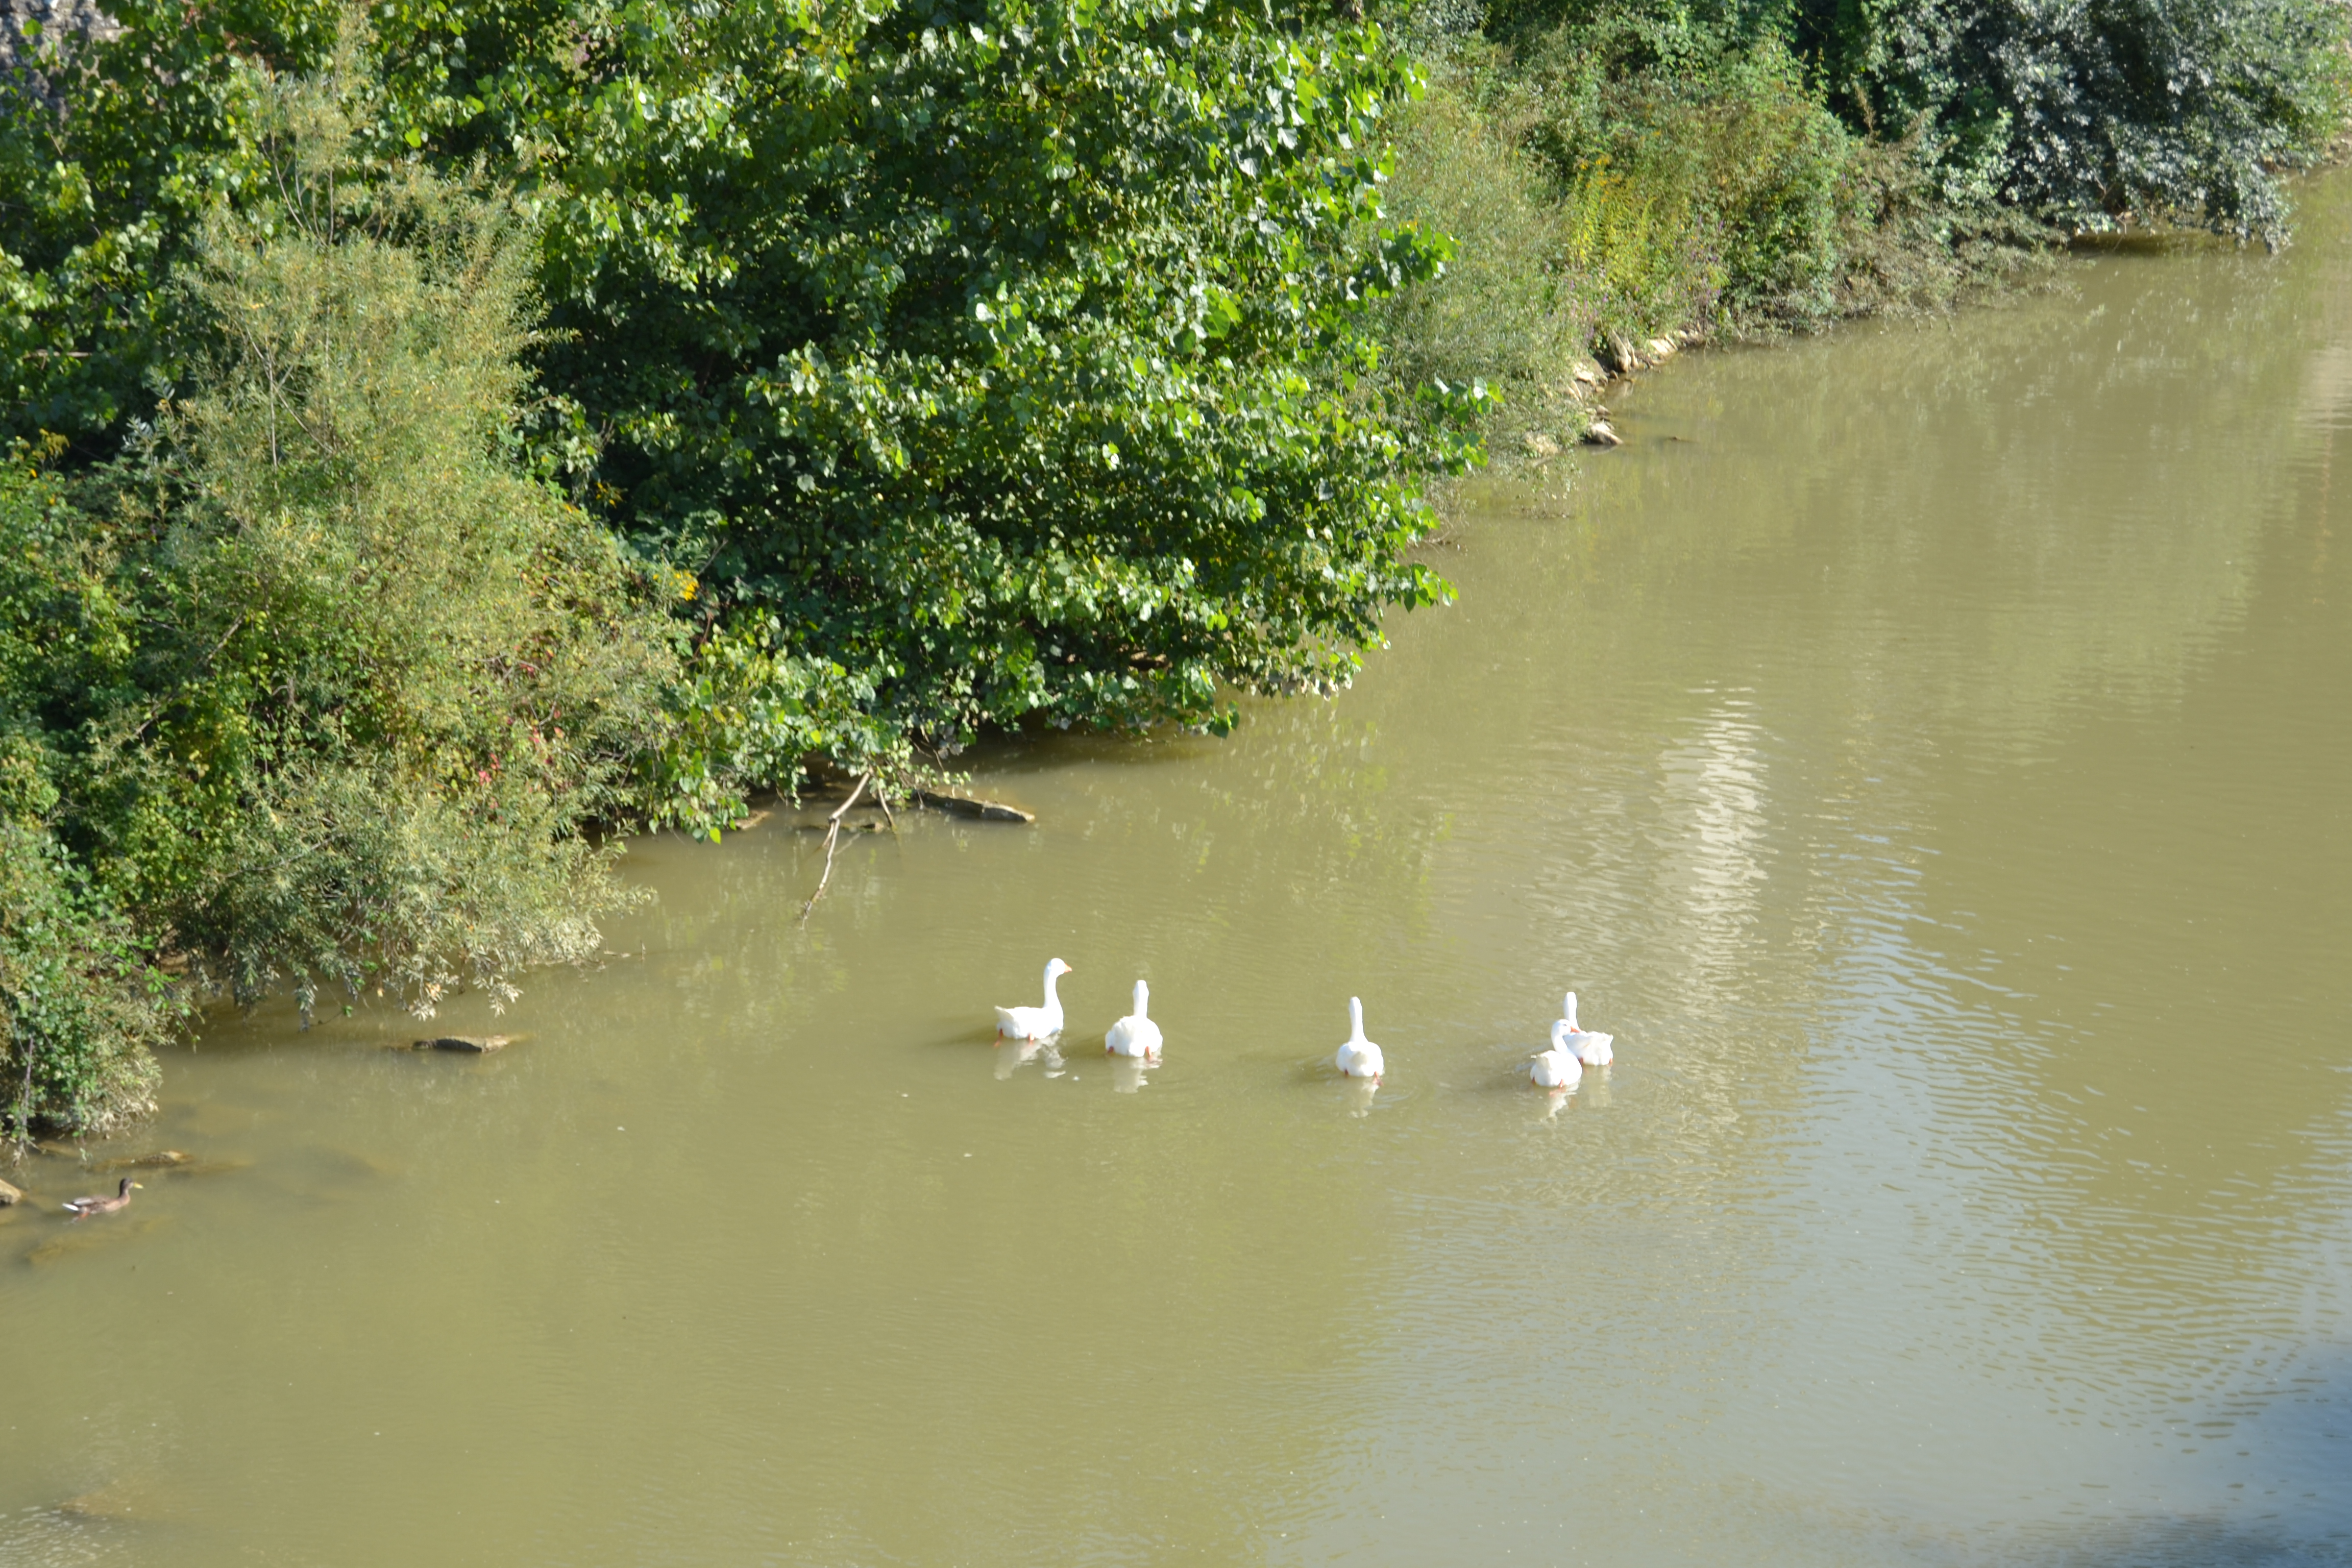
column 1507, row 312
column 80, row 1003
column 110, row 151
column 1012, row 359
column 2086, row 114
column 2093, row 114
column 80, row 1008
column 744, row 710
column 1604, row 187
column 1713, row 182
column 341, row 686
column 1616, row 172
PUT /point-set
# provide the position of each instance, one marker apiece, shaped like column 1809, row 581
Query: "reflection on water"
column 1012, row 1056
column 1930, row 768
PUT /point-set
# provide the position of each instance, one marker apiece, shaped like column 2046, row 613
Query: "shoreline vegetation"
column 439, row 437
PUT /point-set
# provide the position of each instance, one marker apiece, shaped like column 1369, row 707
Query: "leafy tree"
column 2093, row 113
column 1013, row 358
column 985, row 359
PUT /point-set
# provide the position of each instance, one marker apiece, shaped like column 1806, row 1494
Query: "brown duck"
column 81, row 1208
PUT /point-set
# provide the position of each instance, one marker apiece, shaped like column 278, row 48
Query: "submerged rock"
column 1600, row 434
column 477, row 1044
column 162, row 1160
column 9, row 1194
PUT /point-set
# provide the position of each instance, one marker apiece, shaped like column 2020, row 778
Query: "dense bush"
column 314, row 680
column 1623, row 167
column 1011, row 359
column 909, row 369
column 2085, row 114
column 79, row 1003
column 80, row 1008
column 988, row 360
column 2095, row 114
column 1602, row 188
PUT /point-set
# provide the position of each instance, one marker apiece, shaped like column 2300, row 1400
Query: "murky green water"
column 1924, row 749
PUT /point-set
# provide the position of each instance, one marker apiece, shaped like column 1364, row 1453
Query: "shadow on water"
column 2195, row 1542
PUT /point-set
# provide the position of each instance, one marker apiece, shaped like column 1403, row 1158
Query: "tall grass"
column 1595, row 202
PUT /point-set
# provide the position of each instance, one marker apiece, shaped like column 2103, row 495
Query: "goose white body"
column 1591, row 1047
column 1359, row 1057
column 1557, row 1068
column 1036, row 1023
column 1136, row 1035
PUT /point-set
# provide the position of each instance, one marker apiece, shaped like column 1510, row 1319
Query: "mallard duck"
column 1557, row 1068
column 1359, row 1057
column 1136, row 1035
column 1036, row 1023
column 80, row 1207
column 1591, row 1047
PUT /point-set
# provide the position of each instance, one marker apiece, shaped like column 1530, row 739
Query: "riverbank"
column 1609, row 209
column 1620, row 179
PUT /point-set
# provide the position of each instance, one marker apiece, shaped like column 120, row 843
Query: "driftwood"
column 938, row 800
column 833, row 838
column 866, row 793
column 967, row 805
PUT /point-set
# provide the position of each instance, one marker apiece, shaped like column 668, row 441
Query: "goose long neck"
column 1568, row 1013
column 1354, row 1020
column 1050, row 996
column 1143, row 1000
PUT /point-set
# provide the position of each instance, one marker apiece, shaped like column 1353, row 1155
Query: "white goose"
column 1591, row 1047
column 1359, row 1057
column 1557, row 1068
column 1036, row 1023
column 1136, row 1035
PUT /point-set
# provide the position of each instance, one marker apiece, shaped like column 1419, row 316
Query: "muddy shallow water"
column 1924, row 748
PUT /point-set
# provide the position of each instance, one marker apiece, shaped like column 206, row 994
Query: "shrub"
column 81, row 1008
column 80, row 1004
column 1507, row 311
column 346, row 685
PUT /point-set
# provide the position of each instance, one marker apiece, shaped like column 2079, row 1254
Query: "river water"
column 1924, row 748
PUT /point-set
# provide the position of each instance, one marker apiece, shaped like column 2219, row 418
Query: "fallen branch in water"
column 833, row 837
column 966, row 805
